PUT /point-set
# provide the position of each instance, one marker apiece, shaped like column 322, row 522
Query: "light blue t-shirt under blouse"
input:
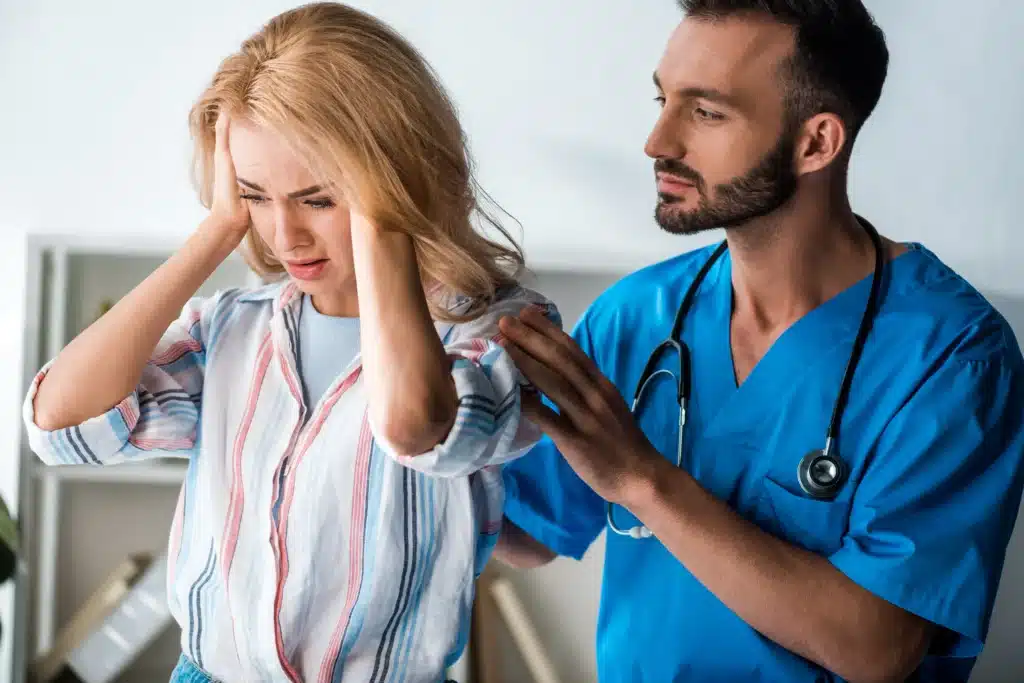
column 327, row 345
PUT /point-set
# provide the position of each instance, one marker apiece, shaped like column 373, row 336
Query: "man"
column 733, row 566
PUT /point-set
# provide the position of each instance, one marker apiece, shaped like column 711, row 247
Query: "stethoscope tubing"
column 828, row 454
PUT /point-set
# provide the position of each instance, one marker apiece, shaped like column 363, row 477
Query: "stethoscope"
column 821, row 472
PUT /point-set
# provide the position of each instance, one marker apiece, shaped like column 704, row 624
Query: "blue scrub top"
column 932, row 431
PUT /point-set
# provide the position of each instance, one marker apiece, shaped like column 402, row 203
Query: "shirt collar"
column 280, row 293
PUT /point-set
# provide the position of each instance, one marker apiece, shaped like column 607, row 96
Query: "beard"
column 763, row 189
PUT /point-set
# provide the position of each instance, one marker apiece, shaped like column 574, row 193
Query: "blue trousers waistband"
column 187, row 672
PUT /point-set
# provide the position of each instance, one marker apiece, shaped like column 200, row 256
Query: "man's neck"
column 792, row 261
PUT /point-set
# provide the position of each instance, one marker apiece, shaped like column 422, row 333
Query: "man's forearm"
column 518, row 549
column 791, row 596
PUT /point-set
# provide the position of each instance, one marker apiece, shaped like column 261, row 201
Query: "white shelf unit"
column 140, row 473
column 80, row 521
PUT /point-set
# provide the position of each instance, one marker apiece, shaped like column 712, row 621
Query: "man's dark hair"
column 841, row 59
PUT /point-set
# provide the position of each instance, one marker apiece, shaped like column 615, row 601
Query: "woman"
column 344, row 425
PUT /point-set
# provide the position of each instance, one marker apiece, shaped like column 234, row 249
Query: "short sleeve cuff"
column 941, row 605
column 549, row 535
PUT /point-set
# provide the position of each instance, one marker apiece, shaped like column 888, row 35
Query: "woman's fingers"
column 228, row 206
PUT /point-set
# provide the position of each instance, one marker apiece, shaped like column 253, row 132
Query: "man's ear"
column 821, row 140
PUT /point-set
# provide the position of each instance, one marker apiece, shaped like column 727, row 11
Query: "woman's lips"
column 306, row 270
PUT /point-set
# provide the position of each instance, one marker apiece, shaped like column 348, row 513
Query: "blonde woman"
column 344, row 426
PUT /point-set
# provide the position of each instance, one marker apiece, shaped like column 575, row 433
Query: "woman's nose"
column 289, row 232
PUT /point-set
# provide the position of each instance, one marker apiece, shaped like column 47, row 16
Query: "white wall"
column 556, row 96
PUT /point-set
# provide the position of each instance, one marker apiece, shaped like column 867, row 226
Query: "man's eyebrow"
column 695, row 93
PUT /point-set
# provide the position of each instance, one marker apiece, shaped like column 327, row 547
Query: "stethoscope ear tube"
column 822, row 473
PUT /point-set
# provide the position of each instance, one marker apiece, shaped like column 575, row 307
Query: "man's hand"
column 594, row 429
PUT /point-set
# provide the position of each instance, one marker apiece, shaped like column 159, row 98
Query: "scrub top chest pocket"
column 777, row 502
column 815, row 525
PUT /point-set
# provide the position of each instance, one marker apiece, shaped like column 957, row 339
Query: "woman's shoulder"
column 267, row 293
column 251, row 297
column 508, row 300
column 519, row 296
column 509, row 297
column 232, row 307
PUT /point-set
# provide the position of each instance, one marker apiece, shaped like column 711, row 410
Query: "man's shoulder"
column 930, row 300
column 637, row 293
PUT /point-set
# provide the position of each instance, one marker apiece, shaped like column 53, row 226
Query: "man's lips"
column 671, row 183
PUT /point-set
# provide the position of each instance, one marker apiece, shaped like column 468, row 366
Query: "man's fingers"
column 550, row 422
column 551, row 354
column 550, row 383
column 537, row 321
column 543, row 340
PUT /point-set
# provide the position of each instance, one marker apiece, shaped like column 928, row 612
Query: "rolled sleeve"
column 159, row 418
column 933, row 515
column 92, row 442
column 489, row 429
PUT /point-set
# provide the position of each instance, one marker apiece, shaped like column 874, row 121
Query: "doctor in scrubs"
column 766, row 540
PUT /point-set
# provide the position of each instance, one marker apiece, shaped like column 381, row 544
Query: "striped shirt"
column 302, row 547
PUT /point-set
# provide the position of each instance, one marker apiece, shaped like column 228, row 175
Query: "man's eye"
column 707, row 115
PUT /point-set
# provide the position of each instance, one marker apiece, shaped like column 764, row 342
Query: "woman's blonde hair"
column 363, row 107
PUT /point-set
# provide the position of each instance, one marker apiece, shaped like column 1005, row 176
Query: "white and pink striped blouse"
column 302, row 549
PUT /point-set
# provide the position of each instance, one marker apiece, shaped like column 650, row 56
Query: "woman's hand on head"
column 357, row 219
column 229, row 212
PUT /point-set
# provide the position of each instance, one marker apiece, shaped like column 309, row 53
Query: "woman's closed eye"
column 253, row 198
column 319, row 203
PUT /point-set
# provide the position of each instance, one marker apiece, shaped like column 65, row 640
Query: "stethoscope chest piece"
column 821, row 474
